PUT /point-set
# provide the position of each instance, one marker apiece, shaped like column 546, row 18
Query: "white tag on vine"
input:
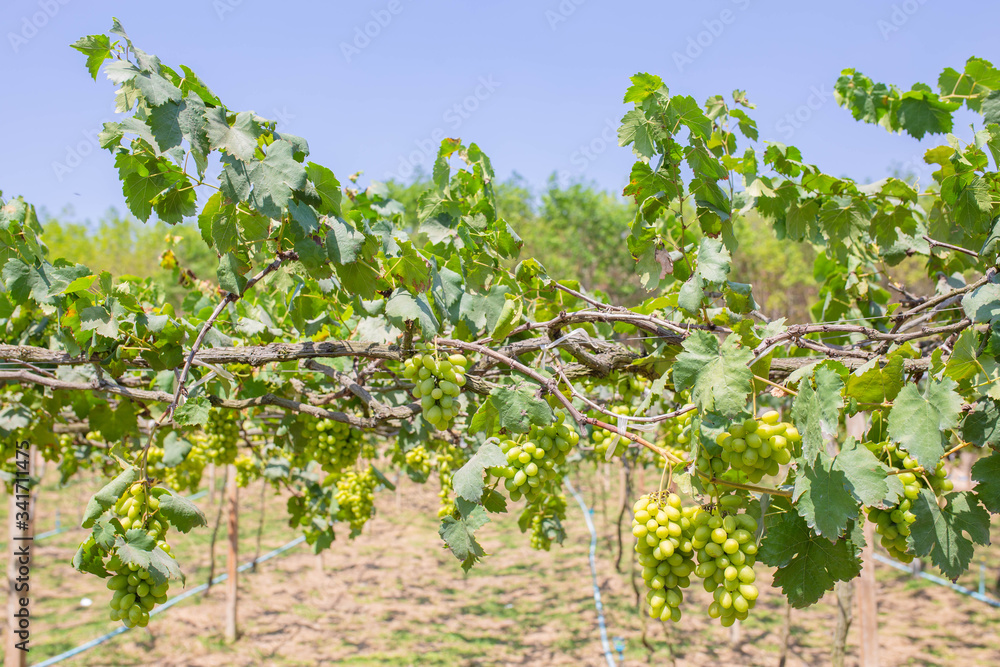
column 580, row 333
column 622, row 428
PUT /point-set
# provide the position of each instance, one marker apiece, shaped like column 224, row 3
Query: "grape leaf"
column 518, row 409
column 274, row 179
column 460, row 536
column 343, row 242
column 919, row 421
column 175, row 449
column 639, row 131
column 108, row 496
column 983, row 303
column 485, row 418
column 872, row 383
column 816, row 413
column 940, row 533
column 403, row 306
column 97, row 48
column 866, row 475
column 982, row 426
column 823, row 498
column 717, row 375
column 327, row 187
column 230, row 273
column 194, row 412
column 105, row 531
column 239, row 140
column 808, row 565
column 713, row 260
column 468, row 480
column 181, row 512
column 90, row 558
column 986, row 472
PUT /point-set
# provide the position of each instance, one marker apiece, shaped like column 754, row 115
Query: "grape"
column 246, row 471
column 419, row 461
column 532, row 462
column 223, row 432
column 186, row 476
column 662, row 527
column 334, row 445
column 448, row 459
column 893, row 523
column 438, row 384
column 727, row 552
column 757, row 447
column 602, row 437
column 355, row 497
column 546, row 521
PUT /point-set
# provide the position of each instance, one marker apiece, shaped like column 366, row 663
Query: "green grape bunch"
column 662, row 527
column 546, row 521
column 246, row 471
column 602, row 437
column 438, row 384
column 757, row 447
column 135, row 593
column 223, row 432
column 727, row 551
column 532, row 462
column 355, row 496
column 893, row 523
column 185, row 476
column 419, row 461
column 333, row 444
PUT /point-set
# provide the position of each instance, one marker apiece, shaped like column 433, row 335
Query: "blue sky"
column 538, row 85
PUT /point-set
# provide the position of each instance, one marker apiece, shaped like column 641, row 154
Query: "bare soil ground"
column 394, row 596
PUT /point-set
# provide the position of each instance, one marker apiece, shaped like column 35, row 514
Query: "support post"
column 232, row 556
column 865, row 584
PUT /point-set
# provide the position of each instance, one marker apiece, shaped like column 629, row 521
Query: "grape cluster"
column 893, row 523
column 185, row 476
column 438, row 384
column 756, row 447
column 662, row 527
column 223, row 431
column 246, row 471
column 546, row 521
column 448, row 461
column 602, row 437
column 727, row 552
column 532, row 462
column 675, row 438
column 135, row 592
column 419, row 461
column 355, row 496
column 334, row 445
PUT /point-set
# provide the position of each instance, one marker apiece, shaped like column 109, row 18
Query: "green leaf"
column 919, row 421
column 468, row 480
column 713, row 260
column 460, row 536
column 639, row 131
column 816, row 412
column 175, row 448
column 717, row 375
column 105, row 499
column 986, row 474
column 808, row 565
column 90, row 558
column 643, row 86
column 194, row 412
column 343, row 242
column 941, row 533
column 822, row 497
column 230, row 273
column 982, row 426
column 519, row 409
column 240, row 140
column 274, row 179
column 485, row 418
column 510, row 318
column 97, row 48
column 872, row 383
column 866, row 475
column 983, row 303
column 97, row 318
column 403, row 307
column 327, row 187
column 181, row 512
column 105, row 531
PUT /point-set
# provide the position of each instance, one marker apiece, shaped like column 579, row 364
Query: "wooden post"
column 232, row 556
column 865, row 584
column 211, row 483
column 21, row 537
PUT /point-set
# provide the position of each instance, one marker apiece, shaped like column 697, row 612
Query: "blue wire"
column 587, row 512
